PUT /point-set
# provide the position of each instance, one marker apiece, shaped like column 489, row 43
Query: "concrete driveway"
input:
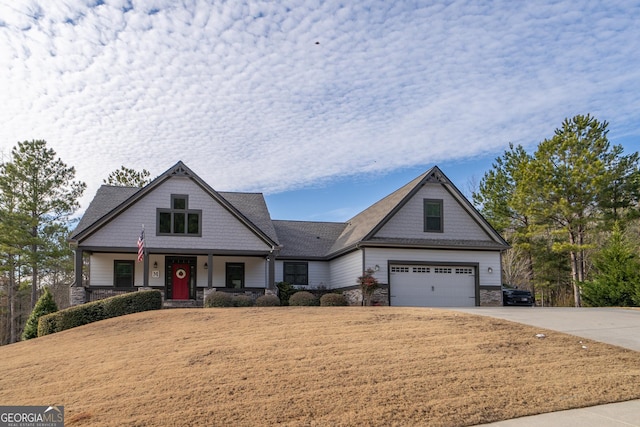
column 617, row 326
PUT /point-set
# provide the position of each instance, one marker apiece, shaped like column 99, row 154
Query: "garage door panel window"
column 442, row 270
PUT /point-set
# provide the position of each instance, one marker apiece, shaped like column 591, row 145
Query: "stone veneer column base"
column 206, row 293
column 77, row 295
column 490, row 298
column 380, row 296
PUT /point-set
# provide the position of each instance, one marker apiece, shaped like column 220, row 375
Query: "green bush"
column 333, row 300
column 45, row 305
column 267, row 301
column 303, row 298
column 285, row 290
column 218, row 299
column 79, row 315
column 242, row 301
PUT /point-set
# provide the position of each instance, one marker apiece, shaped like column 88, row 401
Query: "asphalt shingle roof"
column 254, row 208
column 362, row 224
column 107, row 198
column 307, row 239
column 301, row 239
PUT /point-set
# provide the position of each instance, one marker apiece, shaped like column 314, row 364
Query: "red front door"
column 180, row 281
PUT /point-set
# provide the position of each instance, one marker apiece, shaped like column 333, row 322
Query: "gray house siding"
column 346, row 269
column 220, row 229
column 408, row 222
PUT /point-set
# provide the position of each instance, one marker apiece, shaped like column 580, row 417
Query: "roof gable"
column 364, row 226
column 111, row 201
column 364, row 223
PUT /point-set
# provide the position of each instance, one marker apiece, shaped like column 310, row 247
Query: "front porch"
column 184, row 279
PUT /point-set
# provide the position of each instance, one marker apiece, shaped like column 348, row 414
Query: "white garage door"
column 432, row 286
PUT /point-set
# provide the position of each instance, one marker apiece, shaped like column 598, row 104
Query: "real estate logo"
column 31, row 416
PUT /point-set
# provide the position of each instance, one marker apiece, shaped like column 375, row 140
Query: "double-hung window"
column 179, row 219
column 433, row 216
column 123, row 273
column 296, row 273
column 235, row 275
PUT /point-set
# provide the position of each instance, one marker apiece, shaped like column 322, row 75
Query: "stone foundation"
column 490, row 298
column 77, row 295
column 354, row 296
column 271, row 291
column 207, row 292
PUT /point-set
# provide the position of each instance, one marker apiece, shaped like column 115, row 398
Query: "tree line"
column 38, row 196
column 570, row 211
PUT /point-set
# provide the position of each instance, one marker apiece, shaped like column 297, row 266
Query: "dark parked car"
column 515, row 296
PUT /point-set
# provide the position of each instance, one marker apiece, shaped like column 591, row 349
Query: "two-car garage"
column 427, row 285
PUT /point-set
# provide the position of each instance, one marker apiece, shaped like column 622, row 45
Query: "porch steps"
column 181, row 304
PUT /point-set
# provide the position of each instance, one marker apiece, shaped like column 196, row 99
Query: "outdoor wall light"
column 206, row 266
column 155, row 264
column 377, row 267
column 490, row 270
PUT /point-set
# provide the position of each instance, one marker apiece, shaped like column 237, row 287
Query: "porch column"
column 145, row 272
column 210, row 270
column 78, row 267
column 272, row 271
column 77, row 293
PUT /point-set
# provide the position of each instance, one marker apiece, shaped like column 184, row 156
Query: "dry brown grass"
column 312, row 366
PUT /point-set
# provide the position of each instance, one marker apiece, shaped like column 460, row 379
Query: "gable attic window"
column 179, row 219
column 433, row 216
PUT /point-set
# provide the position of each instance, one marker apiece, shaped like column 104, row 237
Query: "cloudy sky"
column 323, row 106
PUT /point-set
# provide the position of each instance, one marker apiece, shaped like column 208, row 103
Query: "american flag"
column 141, row 246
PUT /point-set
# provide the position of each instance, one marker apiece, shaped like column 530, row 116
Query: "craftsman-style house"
column 426, row 243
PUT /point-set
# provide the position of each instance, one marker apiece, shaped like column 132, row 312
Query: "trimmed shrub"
column 218, row 299
column 333, row 300
column 242, row 301
column 303, row 298
column 44, row 305
column 79, row 315
column 285, row 290
column 267, row 301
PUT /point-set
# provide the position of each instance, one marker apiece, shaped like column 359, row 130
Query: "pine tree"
column 45, row 305
column 617, row 277
column 127, row 177
column 47, row 194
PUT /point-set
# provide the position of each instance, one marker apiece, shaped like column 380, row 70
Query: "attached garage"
column 432, row 285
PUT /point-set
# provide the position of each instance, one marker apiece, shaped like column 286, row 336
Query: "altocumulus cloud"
column 272, row 96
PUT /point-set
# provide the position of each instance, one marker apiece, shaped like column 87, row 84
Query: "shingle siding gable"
column 408, row 222
column 220, row 228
